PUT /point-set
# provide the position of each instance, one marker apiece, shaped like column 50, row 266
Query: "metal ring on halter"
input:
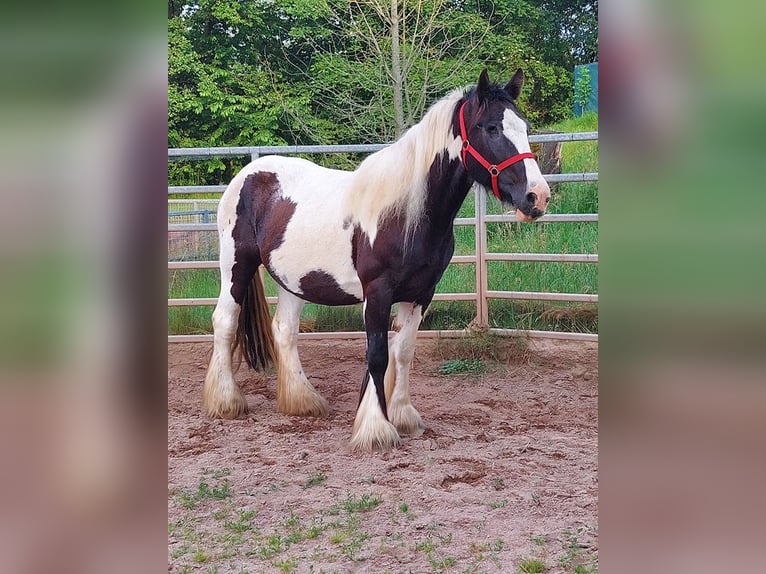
column 493, row 170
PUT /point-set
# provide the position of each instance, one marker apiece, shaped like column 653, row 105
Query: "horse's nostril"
column 531, row 198
column 547, row 200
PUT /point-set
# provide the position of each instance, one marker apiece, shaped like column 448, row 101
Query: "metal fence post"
column 480, row 203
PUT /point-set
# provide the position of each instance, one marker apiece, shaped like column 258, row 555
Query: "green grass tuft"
column 532, row 566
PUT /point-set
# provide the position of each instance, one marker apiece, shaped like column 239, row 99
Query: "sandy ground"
column 504, row 475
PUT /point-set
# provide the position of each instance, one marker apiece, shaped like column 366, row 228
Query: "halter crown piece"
column 494, row 170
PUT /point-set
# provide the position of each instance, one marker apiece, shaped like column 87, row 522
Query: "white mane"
column 393, row 180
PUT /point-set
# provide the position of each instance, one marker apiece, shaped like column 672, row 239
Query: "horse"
column 379, row 235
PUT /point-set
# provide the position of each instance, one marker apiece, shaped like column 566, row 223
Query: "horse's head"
column 496, row 149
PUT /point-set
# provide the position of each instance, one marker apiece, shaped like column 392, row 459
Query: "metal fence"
column 201, row 217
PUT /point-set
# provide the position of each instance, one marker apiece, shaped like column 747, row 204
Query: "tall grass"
column 461, row 278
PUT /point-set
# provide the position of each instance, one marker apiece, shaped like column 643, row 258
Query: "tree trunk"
column 396, row 69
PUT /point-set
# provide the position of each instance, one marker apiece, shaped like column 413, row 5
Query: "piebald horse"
column 379, row 235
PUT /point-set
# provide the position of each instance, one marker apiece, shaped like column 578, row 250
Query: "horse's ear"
column 483, row 88
column 513, row 88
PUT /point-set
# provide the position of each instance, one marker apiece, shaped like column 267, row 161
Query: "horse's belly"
column 314, row 260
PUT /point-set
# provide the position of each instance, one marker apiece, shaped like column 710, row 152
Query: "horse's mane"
column 393, row 180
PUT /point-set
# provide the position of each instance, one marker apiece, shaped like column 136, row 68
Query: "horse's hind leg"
column 402, row 350
column 221, row 396
column 295, row 394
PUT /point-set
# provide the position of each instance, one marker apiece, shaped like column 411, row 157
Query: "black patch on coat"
column 262, row 216
column 321, row 287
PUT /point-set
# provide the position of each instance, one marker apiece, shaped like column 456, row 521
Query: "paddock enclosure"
column 503, row 479
column 506, row 470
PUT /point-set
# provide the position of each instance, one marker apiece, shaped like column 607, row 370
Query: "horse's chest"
column 422, row 272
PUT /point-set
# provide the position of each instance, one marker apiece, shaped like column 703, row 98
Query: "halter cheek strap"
column 494, row 170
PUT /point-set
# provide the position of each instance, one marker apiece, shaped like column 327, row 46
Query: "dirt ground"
column 504, row 478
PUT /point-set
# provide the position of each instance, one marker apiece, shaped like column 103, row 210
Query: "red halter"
column 494, row 170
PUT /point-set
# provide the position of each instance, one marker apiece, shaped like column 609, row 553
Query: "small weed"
column 293, row 520
column 314, row 531
column 497, row 545
column 498, row 504
column 354, row 544
column 315, row 480
column 445, row 538
column 404, row 507
column 220, row 513
column 461, row 367
column 180, row 551
column 363, row 504
column 438, row 563
column 539, row 540
column 216, row 473
column 187, row 500
column 243, row 522
column 532, row 566
column 427, row 546
column 573, row 557
column 498, row 483
column 337, row 537
column 272, row 548
column 287, row 566
column 204, row 490
column 200, row 556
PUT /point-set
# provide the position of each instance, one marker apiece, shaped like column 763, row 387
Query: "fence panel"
column 201, row 219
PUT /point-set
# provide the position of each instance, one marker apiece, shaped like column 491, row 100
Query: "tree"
column 387, row 60
column 248, row 72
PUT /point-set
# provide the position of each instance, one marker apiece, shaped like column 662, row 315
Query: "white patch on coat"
column 515, row 129
column 315, row 238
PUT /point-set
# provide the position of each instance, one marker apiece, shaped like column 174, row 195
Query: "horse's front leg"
column 372, row 429
column 400, row 410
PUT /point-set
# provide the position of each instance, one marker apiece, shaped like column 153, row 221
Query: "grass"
column 316, row 479
column 461, row 366
column 459, row 278
column 345, row 533
column 532, row 566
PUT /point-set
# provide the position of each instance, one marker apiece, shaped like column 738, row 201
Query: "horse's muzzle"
column 535, row 203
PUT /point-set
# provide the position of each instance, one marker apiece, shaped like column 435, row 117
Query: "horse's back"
column 293, row 176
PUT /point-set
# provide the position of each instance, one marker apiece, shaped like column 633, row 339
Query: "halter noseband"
column 494, row 170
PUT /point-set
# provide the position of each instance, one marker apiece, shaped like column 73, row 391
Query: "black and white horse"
column 380, row 235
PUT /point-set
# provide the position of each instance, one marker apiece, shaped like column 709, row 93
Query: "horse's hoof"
column 380, row 437
column 233, row 408
column 406, row 420
column 305, row 404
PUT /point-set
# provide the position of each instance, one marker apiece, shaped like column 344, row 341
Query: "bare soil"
column 505, row 472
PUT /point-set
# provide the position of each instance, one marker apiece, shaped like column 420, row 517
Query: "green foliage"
column 583, row 89
column 461, row 366
column 303, row 71
column 532, row 566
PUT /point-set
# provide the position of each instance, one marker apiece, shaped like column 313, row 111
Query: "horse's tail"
column 255, row 339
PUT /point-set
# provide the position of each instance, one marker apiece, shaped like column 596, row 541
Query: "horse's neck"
column 446, row 192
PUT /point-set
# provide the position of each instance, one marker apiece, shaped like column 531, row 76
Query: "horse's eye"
column 492, row 129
